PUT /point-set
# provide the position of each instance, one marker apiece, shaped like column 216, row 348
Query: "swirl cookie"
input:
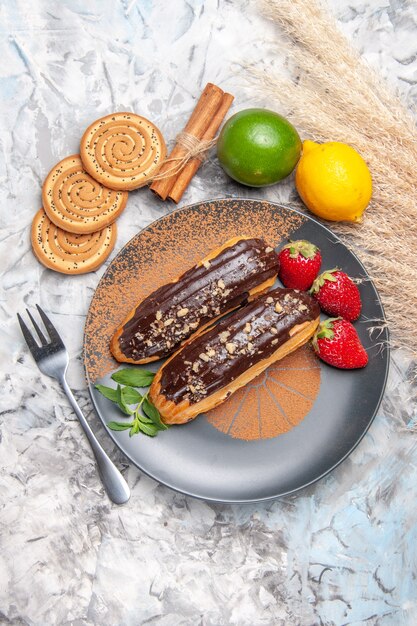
column 76, row 202
column 122, row 150
column 70, row 253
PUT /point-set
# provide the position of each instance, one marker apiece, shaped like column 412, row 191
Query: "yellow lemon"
column 333, row 181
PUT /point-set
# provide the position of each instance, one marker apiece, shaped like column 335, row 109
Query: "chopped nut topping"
column 231, row 347
column 226, row 292
column 196, row 366
column 204, row 310
column 203, row 356
column 182, row 312
column 269, row 300
column 302, row 307
column 186, row 328
column 248, row 328
column 148, row 342
column 274, row 341
column 194, row 324
column 192, row 388
column 158, row 315
column 206, row 264
column 221, row 284
column 223, row 336
column 269, row 249
column 169, row 321
column 274, row 330
column 278, row 307
column 187, row 362
column 211, row 352
column 250, row 346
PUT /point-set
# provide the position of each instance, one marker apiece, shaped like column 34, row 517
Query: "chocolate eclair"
column 208, row 368
column 219, row 283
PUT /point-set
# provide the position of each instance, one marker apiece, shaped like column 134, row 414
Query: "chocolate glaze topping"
column 173, row 312
column 249, row 335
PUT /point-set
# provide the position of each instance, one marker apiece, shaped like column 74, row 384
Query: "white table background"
column 340, row 552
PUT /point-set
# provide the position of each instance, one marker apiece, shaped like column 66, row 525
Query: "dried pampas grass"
column 335, row 96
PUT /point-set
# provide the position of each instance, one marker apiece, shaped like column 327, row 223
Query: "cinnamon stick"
column 197, row 125
column 184, row 177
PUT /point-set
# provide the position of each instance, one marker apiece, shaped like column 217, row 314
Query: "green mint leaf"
column 121, row 403
column 119, row 425
column 152, row 412
column 133, row 377
column 148, row 429
column 144, row 419
column 130, row 395
column 135, row 429
column 108, row 392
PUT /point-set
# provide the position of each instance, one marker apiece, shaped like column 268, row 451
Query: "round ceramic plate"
column 286, row 429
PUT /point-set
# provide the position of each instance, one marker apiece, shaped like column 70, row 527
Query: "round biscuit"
column 70, row 253
column 122, row 150
column 76, row 202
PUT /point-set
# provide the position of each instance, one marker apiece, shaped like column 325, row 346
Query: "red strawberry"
column 337, row 343
column 299, row 264
column 337, row 294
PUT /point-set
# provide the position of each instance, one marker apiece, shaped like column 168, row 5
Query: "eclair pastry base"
column 183, row 412
column 122, row 150
column 261, row 288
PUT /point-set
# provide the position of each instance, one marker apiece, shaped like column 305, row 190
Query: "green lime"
column 258, row 147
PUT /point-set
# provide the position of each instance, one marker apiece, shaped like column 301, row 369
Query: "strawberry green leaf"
column 325, row 329
column 325, row 333
column 303, row 247
column 321, row 279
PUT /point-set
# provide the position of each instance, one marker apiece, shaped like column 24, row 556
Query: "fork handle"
column 114, row 483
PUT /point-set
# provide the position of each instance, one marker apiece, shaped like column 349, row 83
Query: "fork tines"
column 33, row 346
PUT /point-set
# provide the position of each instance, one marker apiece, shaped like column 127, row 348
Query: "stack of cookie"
column 83, row 194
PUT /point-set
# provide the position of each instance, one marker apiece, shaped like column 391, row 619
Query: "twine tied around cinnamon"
column 194, row 149
column 192, row 144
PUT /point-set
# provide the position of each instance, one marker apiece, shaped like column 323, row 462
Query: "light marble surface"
column 340, row 552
